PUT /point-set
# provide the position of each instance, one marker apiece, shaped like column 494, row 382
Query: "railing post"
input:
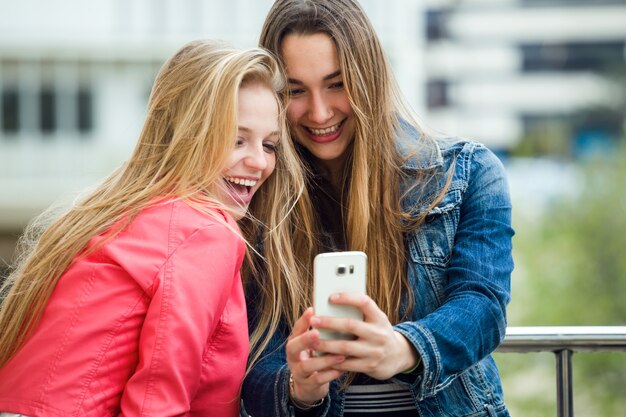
column 564, row 390
column 563, row 341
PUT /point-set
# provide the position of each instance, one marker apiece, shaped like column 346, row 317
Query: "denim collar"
column 418, row 151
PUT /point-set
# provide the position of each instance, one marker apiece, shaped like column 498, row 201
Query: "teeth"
column 241, row 181
column 328, row 130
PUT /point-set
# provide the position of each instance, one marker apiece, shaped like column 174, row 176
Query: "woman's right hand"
column 311, row 374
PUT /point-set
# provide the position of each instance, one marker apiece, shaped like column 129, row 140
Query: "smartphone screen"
column 338, row 272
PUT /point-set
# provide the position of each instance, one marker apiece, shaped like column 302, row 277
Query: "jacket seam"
column 166, row 270
column 63, row 344
column 277, row 399
column 105, row 346
column 164, row 311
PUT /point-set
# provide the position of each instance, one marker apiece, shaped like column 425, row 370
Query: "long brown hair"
column 375, row 222
column 189, row 132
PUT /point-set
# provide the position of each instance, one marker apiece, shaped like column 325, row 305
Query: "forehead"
column 309, row 56
column 258, row 108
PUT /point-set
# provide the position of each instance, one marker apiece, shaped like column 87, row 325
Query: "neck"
column 334, row 170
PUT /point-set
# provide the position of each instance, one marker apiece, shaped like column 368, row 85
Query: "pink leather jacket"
column 151, row 324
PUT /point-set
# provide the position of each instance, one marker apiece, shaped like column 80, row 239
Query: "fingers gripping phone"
column 338, row 272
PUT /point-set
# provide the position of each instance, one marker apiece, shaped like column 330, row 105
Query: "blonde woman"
column 433, row 216
column 131, row 302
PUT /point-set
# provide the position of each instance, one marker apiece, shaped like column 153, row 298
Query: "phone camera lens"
column 341, row 270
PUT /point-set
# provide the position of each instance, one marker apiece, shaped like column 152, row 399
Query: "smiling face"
column 254, row 157
column 319, row 111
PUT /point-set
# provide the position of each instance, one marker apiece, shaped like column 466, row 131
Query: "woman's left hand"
column 378, row 351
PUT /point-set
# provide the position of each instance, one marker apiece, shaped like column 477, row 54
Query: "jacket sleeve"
column 185, row 307
column 265, row 391
column 471, row 321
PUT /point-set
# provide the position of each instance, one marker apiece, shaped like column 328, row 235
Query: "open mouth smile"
column 325, row 131
column 241, row 181
column 240, row 188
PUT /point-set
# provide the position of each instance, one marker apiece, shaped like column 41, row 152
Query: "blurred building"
column 75, row 76
column 507, row 70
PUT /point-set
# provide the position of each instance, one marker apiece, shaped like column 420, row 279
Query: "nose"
column 256, row 158
column 320, row 110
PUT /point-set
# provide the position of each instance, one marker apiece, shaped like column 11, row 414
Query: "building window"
column 437, row 94
column 47, row 110
column 10, row 110
column 34, row 101
column 84, row 102
column 436, row 28
column 596, row 56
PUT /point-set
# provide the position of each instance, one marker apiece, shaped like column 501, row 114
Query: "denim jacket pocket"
column 432, row 243
column 430, row 248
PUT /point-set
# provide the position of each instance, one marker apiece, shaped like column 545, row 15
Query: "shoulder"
column 163, row 226
column 182, row 218
column 455, row 164
column 170, row 228
column 422, row 152
column 467, row 158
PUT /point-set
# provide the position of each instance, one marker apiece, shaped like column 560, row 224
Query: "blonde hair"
column 373, row 173
column 189, row 132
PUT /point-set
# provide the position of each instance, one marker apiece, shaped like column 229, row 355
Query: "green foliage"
column 534, row 141
column 571, row 271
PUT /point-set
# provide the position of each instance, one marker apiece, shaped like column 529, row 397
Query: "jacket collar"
column 418, row 151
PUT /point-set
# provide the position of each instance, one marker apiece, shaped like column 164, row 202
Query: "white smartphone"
column 338, row 272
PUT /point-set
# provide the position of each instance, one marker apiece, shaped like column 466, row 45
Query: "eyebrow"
column 245, row 129
column 326, row 77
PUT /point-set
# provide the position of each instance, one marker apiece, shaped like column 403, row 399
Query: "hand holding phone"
column 336, row 272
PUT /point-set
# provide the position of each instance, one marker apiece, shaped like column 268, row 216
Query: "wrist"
column 413, row 368
column 299, row 404
column 412, row 359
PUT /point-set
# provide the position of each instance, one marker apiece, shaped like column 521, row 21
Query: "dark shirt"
column 330, row 214
column 329, row 204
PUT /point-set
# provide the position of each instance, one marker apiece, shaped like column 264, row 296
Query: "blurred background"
column 541, row 82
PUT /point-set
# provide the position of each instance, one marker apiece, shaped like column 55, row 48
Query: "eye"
column 336, row 86
column 239, row 142
column 270, row 147
column 294, row 92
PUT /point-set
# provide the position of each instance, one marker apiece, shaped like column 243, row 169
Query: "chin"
column 238, row 212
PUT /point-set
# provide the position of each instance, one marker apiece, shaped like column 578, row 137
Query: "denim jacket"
column 459, row 265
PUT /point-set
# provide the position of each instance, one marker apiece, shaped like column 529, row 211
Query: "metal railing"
column 563, row 342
